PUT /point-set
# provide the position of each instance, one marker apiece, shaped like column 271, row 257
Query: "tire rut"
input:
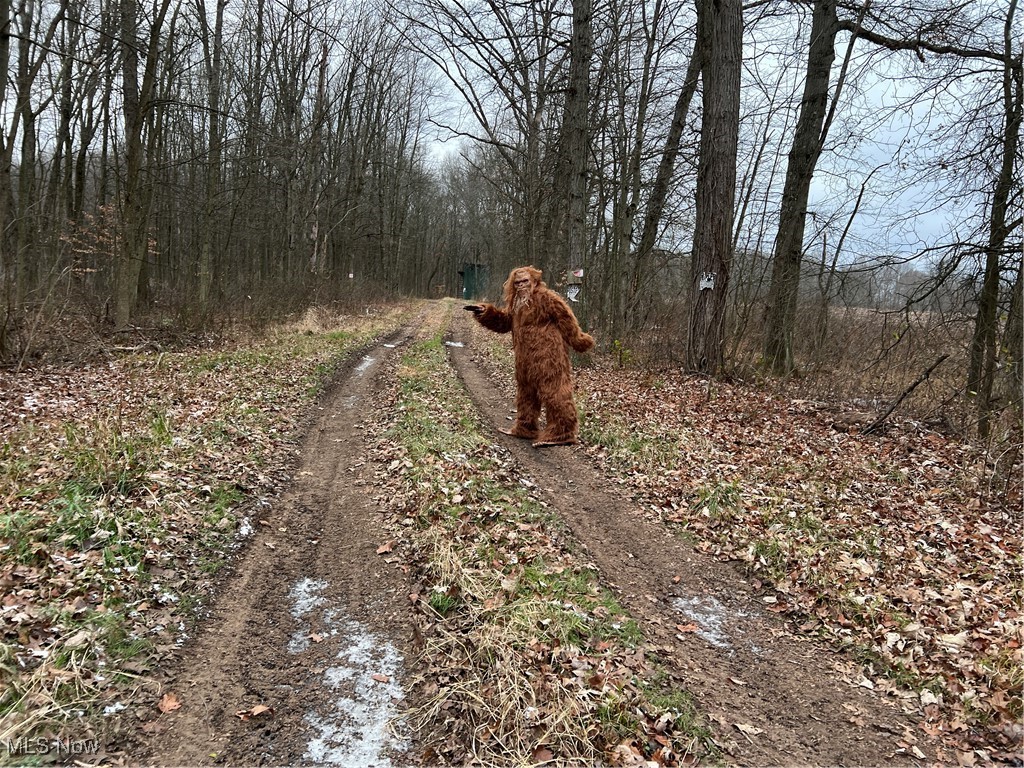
column 311, row 622
column 741, row 663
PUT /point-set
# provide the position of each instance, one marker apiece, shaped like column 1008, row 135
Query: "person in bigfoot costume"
column 543, row 328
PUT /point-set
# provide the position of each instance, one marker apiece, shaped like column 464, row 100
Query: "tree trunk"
column 982, row 364
column 6, row 158
column 137, row 101
column 126, row 279
column 659, row 191
column 576, row 134
column 808, row 139
column 720, row 36
column 213, row 60
column 1014, row 338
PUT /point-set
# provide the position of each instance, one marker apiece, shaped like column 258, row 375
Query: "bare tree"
column 213, row 56
column 984, row 340
column 720, row 38
column 808, row 140
column 575, row 145
column 659, row 190
column 507, row 62
column 138, row 101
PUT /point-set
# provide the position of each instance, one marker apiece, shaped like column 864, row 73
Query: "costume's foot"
column 549, row 443
column 518, row 432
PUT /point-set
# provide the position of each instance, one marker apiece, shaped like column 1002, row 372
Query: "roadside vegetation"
column 903, row 548
column 530, row 658
column 124, row 487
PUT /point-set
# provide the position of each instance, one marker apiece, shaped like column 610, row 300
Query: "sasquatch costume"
column 543, row 328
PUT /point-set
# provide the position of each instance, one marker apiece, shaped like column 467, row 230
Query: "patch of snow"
column 306, row 596
column 365, row 363
column 454, row 344
column 299, row 641
column 390, row 346
column 710, row 616
column 245, row 528
column 113, row 709
column 359, row 729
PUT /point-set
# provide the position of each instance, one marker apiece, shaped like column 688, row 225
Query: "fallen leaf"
column 316, row 638
column 381, row 678
column 256, row 711
column 749, row 730
column 687, row 627
column 78, row 640
column 543, row 755
column 386, row 547
column 965, row 759
column 168, row 703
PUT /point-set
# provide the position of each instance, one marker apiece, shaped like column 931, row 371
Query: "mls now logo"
column 58, row 747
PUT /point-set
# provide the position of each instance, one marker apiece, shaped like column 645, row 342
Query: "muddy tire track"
column 744, row 666
column 311, row 621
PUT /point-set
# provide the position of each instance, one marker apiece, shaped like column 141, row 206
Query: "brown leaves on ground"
column 524, row 657
column 168, row 703
column 902, row 546
column 260, row 710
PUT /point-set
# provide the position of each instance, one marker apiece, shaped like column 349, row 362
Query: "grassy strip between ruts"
column 531, row 658
column 123, row 488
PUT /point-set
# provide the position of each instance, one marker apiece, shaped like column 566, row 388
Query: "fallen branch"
column 877, row 423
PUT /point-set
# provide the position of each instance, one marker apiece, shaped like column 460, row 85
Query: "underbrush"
column 530, row 658
column 895, row 547
column 124, row 487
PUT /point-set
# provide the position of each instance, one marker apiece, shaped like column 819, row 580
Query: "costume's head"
column 521, row 284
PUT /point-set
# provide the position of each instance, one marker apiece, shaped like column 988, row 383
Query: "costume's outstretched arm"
column 491, row 318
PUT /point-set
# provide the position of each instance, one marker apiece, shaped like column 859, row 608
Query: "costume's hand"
column 476, row 309
column 584, row 344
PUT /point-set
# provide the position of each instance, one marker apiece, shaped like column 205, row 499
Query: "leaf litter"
column 124, row 485
column 898, row 547
column 118, row 476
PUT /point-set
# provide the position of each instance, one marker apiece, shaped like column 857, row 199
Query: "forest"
column 786, row 187
column 256, row 505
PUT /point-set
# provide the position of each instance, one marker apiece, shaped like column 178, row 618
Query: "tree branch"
column 877, row 423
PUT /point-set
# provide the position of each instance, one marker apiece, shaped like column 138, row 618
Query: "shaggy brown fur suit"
column 543, row 329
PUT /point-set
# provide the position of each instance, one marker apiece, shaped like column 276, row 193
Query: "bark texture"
column 720, row 36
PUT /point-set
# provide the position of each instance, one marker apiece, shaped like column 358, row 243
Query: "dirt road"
column 313, row 625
